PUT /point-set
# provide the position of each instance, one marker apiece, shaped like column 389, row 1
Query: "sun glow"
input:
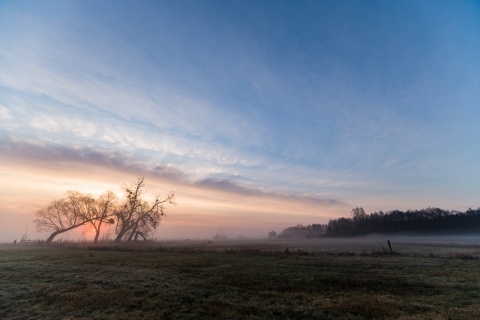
column 198, row 214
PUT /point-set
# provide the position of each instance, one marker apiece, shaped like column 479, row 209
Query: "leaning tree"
column 65, row 214
column 136, row 217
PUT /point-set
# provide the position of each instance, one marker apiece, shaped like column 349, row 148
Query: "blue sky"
column 325, row 104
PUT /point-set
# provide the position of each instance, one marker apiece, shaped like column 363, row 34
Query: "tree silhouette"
column 136, row 217
column 65, row 214
column 428, row 220
column 103, row 211
column 272, row 235
column 301, row 231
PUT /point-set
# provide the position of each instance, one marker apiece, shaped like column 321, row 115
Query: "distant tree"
column 272, row 235
column 358, row 214
column 136, row 217
column 360, row 220
column 301, row 231
column 341, row 226
column 65, row 214
column 103, row 211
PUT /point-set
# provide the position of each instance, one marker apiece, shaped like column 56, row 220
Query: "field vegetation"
column 270, row 279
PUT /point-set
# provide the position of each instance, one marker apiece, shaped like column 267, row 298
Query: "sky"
column 259, row 115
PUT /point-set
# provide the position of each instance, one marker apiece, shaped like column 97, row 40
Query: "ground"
column 424, row 278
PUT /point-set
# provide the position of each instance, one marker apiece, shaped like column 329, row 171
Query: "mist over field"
column 358, row 278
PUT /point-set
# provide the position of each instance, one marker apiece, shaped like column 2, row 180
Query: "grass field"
column 316, row 279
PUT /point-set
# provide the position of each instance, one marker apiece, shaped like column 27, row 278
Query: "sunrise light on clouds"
column 259, row 115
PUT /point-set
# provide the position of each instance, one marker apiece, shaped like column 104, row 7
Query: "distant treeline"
column 426, row 221
column 301, row 231
column 429, row 220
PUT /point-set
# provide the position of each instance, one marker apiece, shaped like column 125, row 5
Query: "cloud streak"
column 54, row 155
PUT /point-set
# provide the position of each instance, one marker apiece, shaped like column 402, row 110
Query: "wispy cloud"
column 4, row 113
column 50, row 154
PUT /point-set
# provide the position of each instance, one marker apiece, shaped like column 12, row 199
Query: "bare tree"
column 65, row 214
column 102, row 212
column 137, row 217
column 272, row 235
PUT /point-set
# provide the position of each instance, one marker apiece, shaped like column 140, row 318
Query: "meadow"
column 423, row 278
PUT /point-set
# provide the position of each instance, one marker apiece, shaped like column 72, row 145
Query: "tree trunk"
column 134, row 231
column 53, row 235
column 120, row 236
column 130, row 236
column 97, row 233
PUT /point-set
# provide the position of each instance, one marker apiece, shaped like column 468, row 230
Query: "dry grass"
column 335, row 279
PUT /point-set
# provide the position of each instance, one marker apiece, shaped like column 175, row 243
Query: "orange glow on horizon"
column 199, row 211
